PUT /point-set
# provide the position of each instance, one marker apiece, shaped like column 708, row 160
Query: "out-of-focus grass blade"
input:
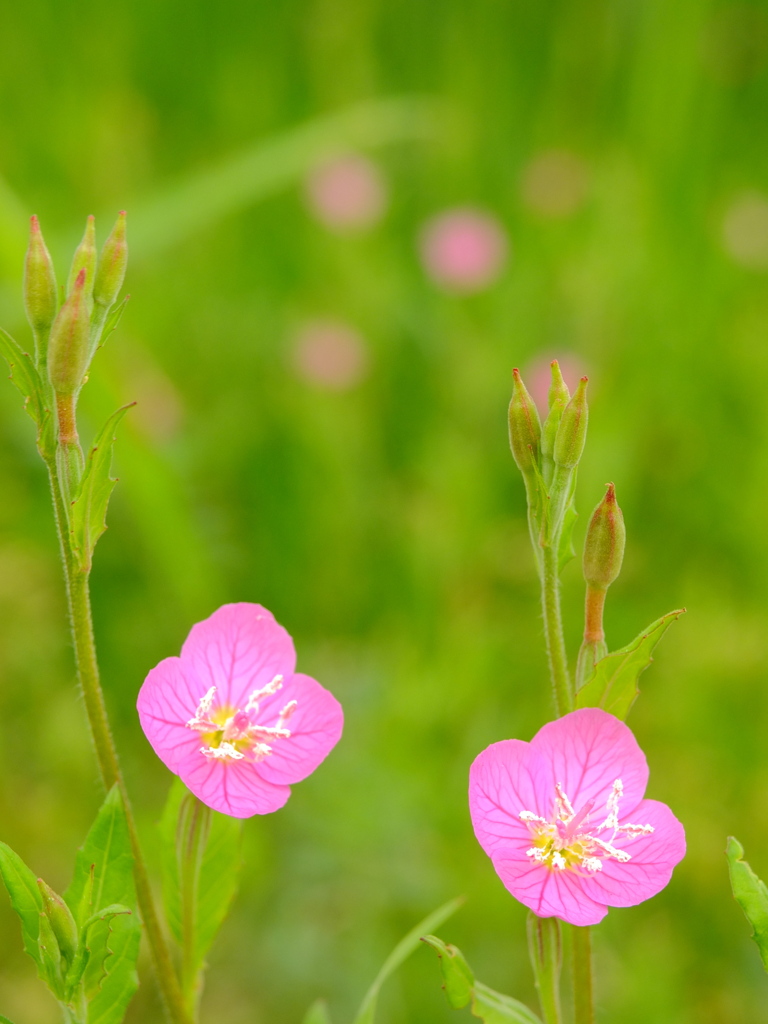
column 401, row 952
column 203, row 198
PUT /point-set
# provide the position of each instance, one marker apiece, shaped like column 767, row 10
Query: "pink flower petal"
column 315, row 728
column 653, row 859
column 547, row 893
column 588, row 750
column 506, row 778
column 166, row 702
column 234, row 788
column 238, row 649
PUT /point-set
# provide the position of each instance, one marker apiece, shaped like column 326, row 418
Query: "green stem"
column 81, row 622
column 583, row 997
column 553, row 629
column 545, row 949
column 192, row 837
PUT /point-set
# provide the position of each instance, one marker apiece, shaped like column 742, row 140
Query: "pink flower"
column 348, row 193
column 232, row 719
column 564, row 820
column 330, row 355
column 463, row 249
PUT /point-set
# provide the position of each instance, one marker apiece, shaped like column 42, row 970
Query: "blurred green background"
column 376, row 510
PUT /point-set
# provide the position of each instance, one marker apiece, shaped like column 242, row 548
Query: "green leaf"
column 494, row 1008
column 28, row 382
column 26, row 900
column 613, row 683
column 565, row 548
column 458, row 979
column 751, row 894
column 401, row 952
column 89, row 509
column 104, row 878
column 217, row 873
column 317, row 1013
column 460, row 986
column 4, row 1020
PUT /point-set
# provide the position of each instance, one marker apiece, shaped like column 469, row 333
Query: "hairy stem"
column 583, row 998
column 553, row 630
column 78, row 598
column 192, row 837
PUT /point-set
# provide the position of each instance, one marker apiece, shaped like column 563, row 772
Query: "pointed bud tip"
column 34, row 224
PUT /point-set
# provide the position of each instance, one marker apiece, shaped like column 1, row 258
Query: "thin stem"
column 545, row 949
column 81, row 622
column 553, row 630
column 583, row 997
column 192, row 838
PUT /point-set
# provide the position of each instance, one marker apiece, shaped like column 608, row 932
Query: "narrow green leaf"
column 458, row 979
column 89, row 509
column 26, row 900
column 494, row 1008
column 317, row 1013
column 104, row 867
column 401, row 952
column 4, row 1020
column 217, row 878
column 751, row 894
column 28, row 382
column 114, row 316
column 613, row 683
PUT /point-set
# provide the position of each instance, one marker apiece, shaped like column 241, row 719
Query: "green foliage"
column 751, row 893
column 460, row 986
column 317, row 1013
column 28, row 382
column 201, row 855
column 87, row 517
column 613, row 683
column 104, row 879
column 87, row 958
column 367, row 1012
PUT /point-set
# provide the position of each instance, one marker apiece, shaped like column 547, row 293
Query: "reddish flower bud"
column 68, row 348
column 40, row 300
column 113, row 260
column 524, row 426
column 604, row 545
column 572, row 430
column 84, row 258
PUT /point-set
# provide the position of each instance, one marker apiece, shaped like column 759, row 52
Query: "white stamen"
column 269, row 730
column 636, row 830
column 530, row 816
column 272, row 687
column 558, row 861
column 225, row 752
column 286, row 713
column 593, row 864
column 612, row 806
column 537, row 854
column 201, row 715
column 620, row 855
column 564, row 809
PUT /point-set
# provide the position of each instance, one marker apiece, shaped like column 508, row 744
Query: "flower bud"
column 572, row 429
column 559, row 396
column 40, row 299
column 84, row 258
column 68, row 349
column 604, row 545
column 61, row 920
column 110, row 272
column 524, row 426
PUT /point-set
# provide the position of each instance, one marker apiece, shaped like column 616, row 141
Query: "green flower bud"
column 40, row 299
column 559, row 396
column 110, row 272
column 524, row 427
column 84, row 258
column 68, row 349
column 61, row 920
column 604, row 545
column 572, row 429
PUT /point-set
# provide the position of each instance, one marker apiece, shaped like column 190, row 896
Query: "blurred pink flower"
column 463, row 249
column 330, row 355
column 538, row 376
column 215, row 718
column 347, row 193
column 564, row 820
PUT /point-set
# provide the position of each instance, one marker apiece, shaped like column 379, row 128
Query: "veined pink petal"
column 588, row 750
column 315, row 728
column 506, row 778
column 233, row 787
column 166, row 702
column 547, row 893
column 653, row 859
column 238, row 649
